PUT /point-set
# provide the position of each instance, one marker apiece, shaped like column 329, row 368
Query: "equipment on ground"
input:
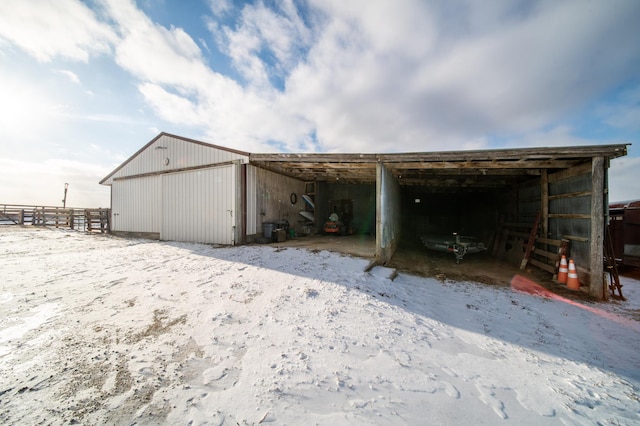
column 459, row 245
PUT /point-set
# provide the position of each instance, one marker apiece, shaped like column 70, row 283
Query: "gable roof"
column 181, row 138
column 479, row 169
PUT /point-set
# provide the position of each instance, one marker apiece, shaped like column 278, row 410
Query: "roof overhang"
column 483, row 169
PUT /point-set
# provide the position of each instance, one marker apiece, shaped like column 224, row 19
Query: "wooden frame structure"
column 550, row 169
column 453, row 170
column 95, row 219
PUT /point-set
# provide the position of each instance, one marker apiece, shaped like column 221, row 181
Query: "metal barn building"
column 180, row 189
column 176, row 188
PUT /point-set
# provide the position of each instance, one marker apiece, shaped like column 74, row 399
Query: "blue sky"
column 85, row 84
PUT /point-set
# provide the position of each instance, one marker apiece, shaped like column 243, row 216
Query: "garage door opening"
column 354, row 205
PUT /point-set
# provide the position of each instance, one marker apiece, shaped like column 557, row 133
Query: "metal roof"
column 106, row 179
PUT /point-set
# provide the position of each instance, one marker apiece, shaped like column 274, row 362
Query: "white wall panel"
column 388, row 214
column 135, row 205
column 252, row 200
column 180, row 154
column 199, row 206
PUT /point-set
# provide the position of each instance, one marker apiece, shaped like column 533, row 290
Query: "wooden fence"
column 75, row 218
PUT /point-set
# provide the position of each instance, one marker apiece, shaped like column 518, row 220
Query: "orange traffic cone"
column 563, row 271
column 572, row 277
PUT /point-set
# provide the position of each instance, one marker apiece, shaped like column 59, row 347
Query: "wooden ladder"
column 531, row 242
column 611, row 266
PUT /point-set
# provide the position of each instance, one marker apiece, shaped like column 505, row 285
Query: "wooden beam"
column 479, row 173
column 570, row 195
column 479, row 165
column 569, row 216
column 596, row 286
column 576, row 238
column 314, row 158
column 544, row 203
column 543, row 266
column 580, row 170
column 512, row 155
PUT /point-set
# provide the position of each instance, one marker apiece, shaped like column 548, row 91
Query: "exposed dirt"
column 480, row 267
column 412, row 257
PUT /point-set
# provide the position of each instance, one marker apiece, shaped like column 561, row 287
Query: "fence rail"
column 82, row 219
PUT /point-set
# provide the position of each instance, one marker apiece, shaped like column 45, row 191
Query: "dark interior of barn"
column 465, row 213
column 525, row 206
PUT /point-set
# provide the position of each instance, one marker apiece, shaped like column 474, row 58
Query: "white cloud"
column 51, row 28
column 365, row 76
column 48, row 188
column 623, row 179
column 220, row 7
column 263, row 31
column 73, row 77
column 359, row 75
column 26, row 111
column 171, row 107
column 180, row 88
column 362, row 87
column 405, row 26
column 561, row 135
column 154, row 53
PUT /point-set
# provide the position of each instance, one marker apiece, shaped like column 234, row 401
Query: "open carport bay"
column 501, row 197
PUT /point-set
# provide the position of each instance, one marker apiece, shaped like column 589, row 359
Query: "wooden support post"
column 544, row 203
column 596, row 286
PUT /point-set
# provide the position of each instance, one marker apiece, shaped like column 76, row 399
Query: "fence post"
column 87, row 218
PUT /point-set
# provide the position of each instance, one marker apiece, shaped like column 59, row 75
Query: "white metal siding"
column 135, row 205
column 180, row 153
column 252, row 200
column 199, row 206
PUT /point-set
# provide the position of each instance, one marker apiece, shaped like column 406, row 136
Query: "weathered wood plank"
column 550, row 241
column 598, row 198
column 543, row 266
column 530, row 242
column 580, row 170
column 576, row 238
column 569, row 216
column 544, row 202
column 545, row 253
column 516, row 154
column 570, row 195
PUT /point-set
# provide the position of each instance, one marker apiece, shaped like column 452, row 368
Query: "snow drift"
column 98, row 329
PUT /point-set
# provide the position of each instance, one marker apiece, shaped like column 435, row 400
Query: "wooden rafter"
column 459, row 169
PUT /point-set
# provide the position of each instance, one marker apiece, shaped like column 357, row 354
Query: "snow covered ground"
column 102, row 330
